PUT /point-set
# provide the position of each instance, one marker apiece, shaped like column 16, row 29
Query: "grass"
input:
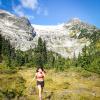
column 70, row 84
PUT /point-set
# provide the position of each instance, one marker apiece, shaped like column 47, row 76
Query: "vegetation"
column 40, row 53
column 39, row 56
column 12, row 85
column 73, row 83
column 90, row 57
column 79, row 80
column 0, row 48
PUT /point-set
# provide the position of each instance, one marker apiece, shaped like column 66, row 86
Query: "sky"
column 52, row 12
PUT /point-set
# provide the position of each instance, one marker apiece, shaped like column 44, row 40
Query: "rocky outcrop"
column 17, row 29
column 66, row 39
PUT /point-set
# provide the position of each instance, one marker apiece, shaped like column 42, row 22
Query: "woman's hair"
column 40, row 68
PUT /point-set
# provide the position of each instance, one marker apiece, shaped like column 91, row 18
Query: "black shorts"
column 40, row 83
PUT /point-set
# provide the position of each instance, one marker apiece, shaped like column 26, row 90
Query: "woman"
column 40, row 74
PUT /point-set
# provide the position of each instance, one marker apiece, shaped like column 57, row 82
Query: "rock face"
column 76, row 28
column 62, row 39
column 18, row 30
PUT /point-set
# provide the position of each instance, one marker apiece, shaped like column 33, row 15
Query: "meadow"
column 70, row 84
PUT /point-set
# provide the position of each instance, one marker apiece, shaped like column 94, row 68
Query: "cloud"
column 39, row 11
column 45, row 12
column 30, row 17
column 42, row 11
column 18, row 10
column 33, row 4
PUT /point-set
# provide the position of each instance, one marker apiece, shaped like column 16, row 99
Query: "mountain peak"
column 17, row 29
column 75, row 21
column 6, row 12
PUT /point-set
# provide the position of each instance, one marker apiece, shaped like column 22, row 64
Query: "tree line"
column 39, row 56
column 88, row 59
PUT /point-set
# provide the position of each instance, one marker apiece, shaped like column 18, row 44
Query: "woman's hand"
column 43, row 73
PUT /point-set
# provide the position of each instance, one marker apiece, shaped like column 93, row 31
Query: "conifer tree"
column 0, row 48
column 44, row 52
column 40, row 53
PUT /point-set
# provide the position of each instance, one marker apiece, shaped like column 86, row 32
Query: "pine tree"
column 74, row 60
column 8, row 54
column 40, row 53
column 44, row 52
column 40, row 45
column 0, row 48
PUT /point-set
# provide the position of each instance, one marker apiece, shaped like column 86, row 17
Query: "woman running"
column 40, row 74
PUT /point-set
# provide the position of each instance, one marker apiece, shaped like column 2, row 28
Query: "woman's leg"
column 40, row 92
column 41, row 89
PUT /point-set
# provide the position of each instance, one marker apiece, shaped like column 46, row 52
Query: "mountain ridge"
column 17, row 29
column 62, row 39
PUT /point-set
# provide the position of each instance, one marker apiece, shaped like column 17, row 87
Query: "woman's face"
column 39, row 70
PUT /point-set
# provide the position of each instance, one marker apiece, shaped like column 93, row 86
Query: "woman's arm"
column 43, row 73
column 35, row 76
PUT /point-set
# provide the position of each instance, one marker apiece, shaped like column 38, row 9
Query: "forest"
column 89, row 58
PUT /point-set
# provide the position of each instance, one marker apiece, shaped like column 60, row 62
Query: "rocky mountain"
column 18, row 30
column 65, row 39
column 77, row 27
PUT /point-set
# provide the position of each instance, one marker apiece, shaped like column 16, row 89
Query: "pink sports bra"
column 39, row 75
